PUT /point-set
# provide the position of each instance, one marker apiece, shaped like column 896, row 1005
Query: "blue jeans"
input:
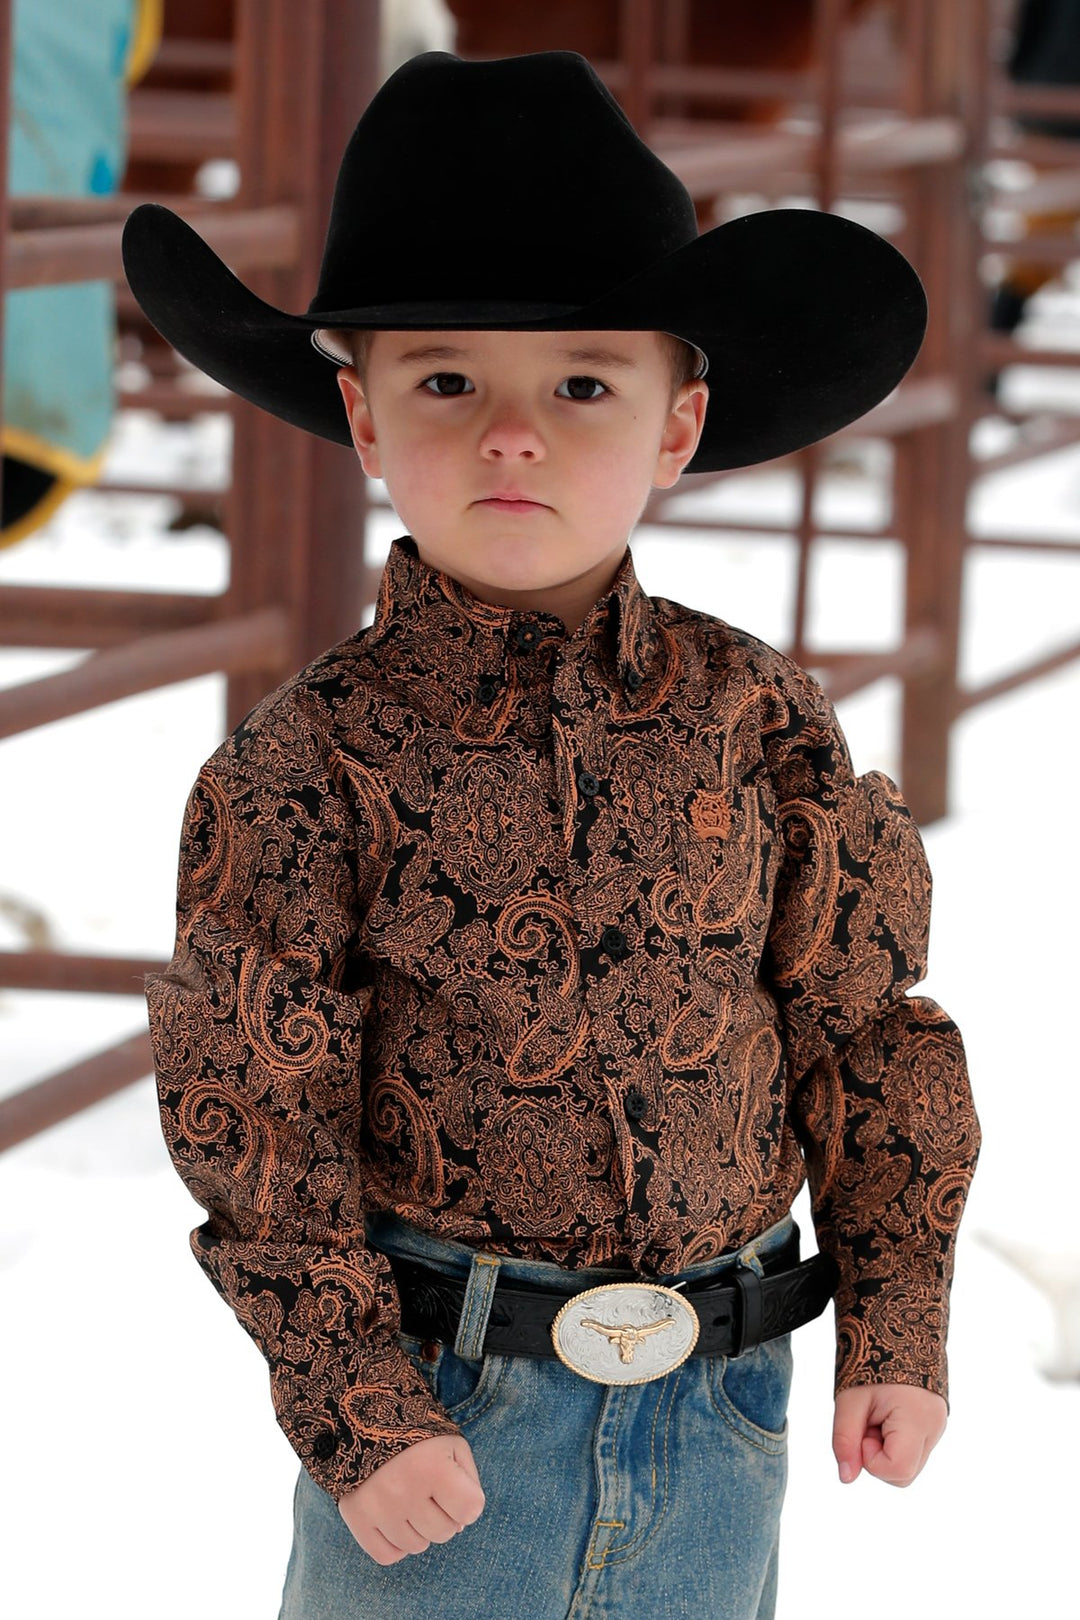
column 657, row 1500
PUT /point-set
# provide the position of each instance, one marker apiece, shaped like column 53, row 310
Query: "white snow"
column 144, row 1473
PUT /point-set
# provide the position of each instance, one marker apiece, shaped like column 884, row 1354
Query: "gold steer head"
column 626, row 1335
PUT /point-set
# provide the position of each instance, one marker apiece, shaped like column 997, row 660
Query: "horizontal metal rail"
column 66, row 970
column 1005, row 351
column 968, row 697
column 48, row 1102
column 251, row 641
column 178, row 126
column 847, row 673
column 880, row 146
column 64, row 616
column 53, row 255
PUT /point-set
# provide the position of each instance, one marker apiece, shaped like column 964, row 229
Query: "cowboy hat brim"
column 808, row 320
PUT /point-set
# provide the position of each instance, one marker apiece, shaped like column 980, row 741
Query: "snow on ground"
column 144, row 1473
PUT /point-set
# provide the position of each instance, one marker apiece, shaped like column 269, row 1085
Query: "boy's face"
column 583, row 437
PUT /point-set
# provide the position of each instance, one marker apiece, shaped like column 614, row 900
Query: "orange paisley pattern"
column 586, row 948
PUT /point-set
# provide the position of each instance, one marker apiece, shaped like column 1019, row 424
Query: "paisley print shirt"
column 582, row 947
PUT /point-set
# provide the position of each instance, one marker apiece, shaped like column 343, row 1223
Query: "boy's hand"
column 427, row 1493
column 888, row 1429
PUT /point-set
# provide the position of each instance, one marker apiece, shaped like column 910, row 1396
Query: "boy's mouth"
column 513, row 503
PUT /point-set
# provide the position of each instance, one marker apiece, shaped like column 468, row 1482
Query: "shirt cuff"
column 895, row 1335
column 341, row 1437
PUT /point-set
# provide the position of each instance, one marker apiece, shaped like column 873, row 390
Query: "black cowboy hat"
column 515, row 195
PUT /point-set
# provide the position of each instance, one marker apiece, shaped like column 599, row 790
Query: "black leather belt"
column 734, row 1317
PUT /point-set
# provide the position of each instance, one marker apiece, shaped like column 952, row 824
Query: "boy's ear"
column 361, row 421
column 682, row 434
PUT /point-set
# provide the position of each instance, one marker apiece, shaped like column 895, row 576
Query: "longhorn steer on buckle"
column 625, row 1333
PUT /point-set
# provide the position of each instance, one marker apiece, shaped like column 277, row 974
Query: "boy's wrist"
column 342, row 1469
column 933, row 1382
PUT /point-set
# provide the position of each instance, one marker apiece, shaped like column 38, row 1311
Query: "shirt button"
column 588, row 783
column 429, row 1350
column 488, row 688
column 325, row 1444
column 634, row 679
column 613, row 941
column 526, row 636
column 635, row 1104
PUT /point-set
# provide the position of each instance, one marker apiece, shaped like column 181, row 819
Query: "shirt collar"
column 428, row 622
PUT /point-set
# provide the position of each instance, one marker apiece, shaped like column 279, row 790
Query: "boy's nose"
column 511, row 431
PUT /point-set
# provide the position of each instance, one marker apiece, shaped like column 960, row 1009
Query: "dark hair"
column 682, row 357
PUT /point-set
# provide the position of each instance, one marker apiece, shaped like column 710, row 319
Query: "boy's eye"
column 590, row 382
column 442, row 376
column 456, row 393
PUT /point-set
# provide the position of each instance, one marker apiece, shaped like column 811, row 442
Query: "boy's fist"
column 888, row 1429
column 427, row 1493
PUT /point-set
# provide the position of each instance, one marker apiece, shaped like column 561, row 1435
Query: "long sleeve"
column 878, row 1089
column 257, row 1039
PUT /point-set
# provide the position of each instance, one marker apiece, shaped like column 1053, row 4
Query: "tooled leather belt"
column 734, row 1316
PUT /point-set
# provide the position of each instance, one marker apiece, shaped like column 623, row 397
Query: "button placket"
column 324, row 1444
column 635, row 1103
column 526, row 636
column 614, row 942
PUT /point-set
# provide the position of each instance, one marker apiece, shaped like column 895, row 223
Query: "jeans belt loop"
column 751, row 1314
column 479, row 1292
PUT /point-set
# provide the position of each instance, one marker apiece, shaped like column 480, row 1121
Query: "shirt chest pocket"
column 724, row 840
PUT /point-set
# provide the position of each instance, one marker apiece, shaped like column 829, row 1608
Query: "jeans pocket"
column 751, row 1391
column 462, row 1387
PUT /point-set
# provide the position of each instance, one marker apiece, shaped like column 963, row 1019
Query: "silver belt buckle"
column 625, row 1333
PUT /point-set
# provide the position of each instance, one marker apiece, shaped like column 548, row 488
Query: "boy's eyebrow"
column 592, row 356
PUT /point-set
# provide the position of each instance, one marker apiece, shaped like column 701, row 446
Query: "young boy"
column 537, row 942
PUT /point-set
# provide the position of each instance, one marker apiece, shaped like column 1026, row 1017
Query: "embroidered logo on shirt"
column 711, row 813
